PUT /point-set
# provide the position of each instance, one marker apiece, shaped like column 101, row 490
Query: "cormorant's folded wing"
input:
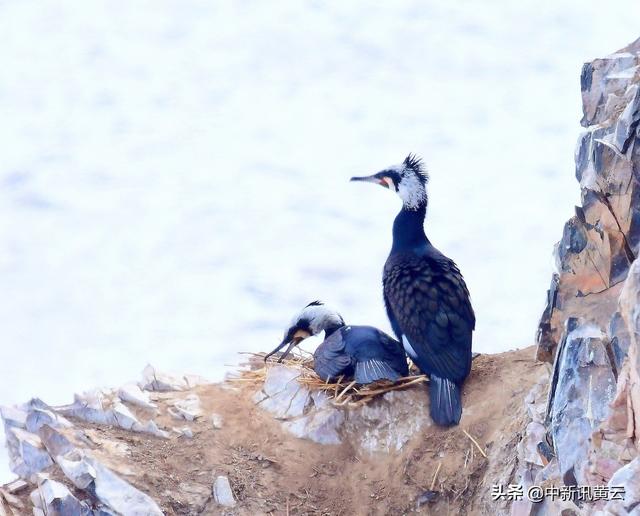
column 430, row 303
column 374, row 369
column 393, row 354
column 330, row 360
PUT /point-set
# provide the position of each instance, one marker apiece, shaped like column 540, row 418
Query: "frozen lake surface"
column 174, row 175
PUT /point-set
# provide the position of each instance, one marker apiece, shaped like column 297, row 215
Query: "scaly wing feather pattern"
column 429, row 304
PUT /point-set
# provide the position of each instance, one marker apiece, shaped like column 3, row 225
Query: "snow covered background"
column 173, row 175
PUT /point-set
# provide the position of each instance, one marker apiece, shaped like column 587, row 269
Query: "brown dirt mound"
column 440, row 471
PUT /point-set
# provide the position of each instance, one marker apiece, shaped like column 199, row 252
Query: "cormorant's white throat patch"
column 412, row 191
column 411, row 187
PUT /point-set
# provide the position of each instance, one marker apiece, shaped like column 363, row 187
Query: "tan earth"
column 272, row 472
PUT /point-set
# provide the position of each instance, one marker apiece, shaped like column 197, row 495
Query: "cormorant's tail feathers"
column 446, row 401
column 371, row 370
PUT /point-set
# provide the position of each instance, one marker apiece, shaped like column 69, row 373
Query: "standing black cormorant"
column 425, row 295
column 363, row 353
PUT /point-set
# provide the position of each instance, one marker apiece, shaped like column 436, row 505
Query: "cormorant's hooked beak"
column 378, row 179
column 293, row 341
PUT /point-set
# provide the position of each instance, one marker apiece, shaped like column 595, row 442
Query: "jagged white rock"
column 108, row 487
column 13, row 416
column 27, row 453
column 222, row 493
column 132, row 393
column 184, row 431
column 281, row 394
column 154, row 380
column 106, row 408
column 187, row 408
column 55, row 498
column 384, row 425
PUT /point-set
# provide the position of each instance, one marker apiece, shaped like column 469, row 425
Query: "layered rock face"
column 589, row 329
column 67, row 466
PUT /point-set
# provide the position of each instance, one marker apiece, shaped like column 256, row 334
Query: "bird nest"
column 341, row 392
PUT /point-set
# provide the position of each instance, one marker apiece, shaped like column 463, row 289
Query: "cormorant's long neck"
column 408, row 229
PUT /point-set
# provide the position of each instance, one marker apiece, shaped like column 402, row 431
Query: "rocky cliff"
column 268, row 441
column 589, row 329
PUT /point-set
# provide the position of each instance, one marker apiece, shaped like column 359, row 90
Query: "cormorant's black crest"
column 315, row 303
column 415, row 163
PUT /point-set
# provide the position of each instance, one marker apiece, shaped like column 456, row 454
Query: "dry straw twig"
column 475, row 442
column 340, row 392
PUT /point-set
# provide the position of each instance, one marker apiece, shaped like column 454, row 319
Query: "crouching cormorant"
column 425, row 295
column 363, row 353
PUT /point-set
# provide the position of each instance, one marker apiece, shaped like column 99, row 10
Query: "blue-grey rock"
column 620, row 340
column 57, row 500
column 14, row 417
column 387, row 423
column 87, row 473
column 55, row 441
column 383, row 425
column 281, row 394
column 38, row 417
column 119, row 495
column 585, row 387
column 27, row 454
column 222, row 493
column 187, row 408
column 599, row 244
column 627, row 477
column 154, row 380
column 105, row 408
column 320, row 426
column 132, row 393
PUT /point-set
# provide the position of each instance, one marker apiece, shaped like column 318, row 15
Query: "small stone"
column 216, row 421
column 132, row 393
column 15, row 486
column 222, row 493
column 150, row 427
column 187, row 408
column 184, row 432
column 153, row 380
column 124, row 417
column 427, row 497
